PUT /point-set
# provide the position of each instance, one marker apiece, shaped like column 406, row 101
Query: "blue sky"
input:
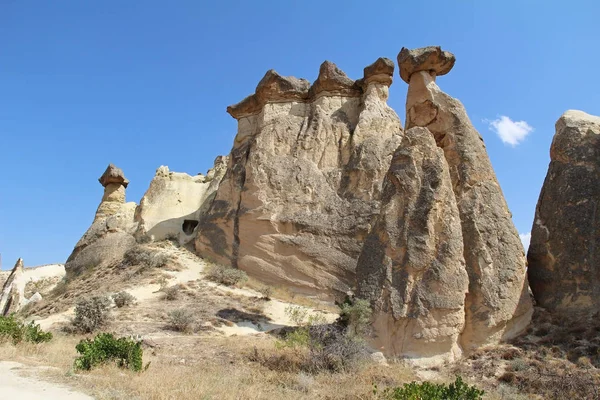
column 146, row 83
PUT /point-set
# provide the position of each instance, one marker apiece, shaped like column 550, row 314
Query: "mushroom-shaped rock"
column 380, row 71
column 333, row 80
column 430, row 58
column 272, row 87
column 113, row 175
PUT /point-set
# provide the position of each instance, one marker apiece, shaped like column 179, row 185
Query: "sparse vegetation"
column 226, row 275
column 266, row 291
column 123, row 299
column 172, row 293
column 125, row 352
column 181, row 320
column 458, row 390
column 91, row 314
column 145, row 258
column 356, row 316
column 16, row 331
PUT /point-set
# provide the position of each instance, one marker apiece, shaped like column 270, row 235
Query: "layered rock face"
column 412, row 266
column 111, row 233
column 172, row 205
column 498, row 305
column 12, row 297
column 444, row 221
column 304, row 178
column 564, row 256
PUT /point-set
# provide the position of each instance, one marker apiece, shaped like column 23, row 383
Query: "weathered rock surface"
column 412, row 267
column 111, row 233
column 172, row 205
column 498, row 305
column 13, row 290
column 304, row 178
column 429, row 59
column 564, row 256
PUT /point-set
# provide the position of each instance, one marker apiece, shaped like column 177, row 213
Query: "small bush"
column 14, row 330
column 145, row 257
column 181, row 320
column 356, row 316
column 91, row 314
column 227, row 275
column 458, row 390
column 172, row 292
column 266, row 291
column 123, row 299
column 126, row 352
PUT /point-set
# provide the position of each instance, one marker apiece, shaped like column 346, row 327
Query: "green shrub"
column 458, row 390
column 123, row 299
column 91, row 314
column 356, row 316
column 227, row 275
column 126, row 352
column 14, row 330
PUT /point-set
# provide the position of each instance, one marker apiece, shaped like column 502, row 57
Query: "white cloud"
column 510, row 132
column 525, row 238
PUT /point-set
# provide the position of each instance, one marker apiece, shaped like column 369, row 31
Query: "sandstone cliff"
column 12, row 297
column 304, row 178
column 564, row 261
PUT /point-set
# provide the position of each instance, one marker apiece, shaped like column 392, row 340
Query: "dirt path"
column 15, row 386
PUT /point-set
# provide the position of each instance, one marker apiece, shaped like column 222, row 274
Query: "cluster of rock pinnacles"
column 324, row 192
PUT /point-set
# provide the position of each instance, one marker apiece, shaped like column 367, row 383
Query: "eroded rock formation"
column 444, row 219
column 111, row 233
column 13, row 290
column 304, row 178
column 172, row 205
column 564, row 256
column 412, row 266
column 498, row 305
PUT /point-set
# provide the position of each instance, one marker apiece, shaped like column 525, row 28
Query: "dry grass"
column 219, row 368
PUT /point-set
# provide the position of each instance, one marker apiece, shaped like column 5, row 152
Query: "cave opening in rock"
column 189, row 225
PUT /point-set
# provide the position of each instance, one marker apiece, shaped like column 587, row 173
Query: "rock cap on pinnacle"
column 333, row 80
column 113, row 175
column 272, row 87
column 430, row 58
column 382, row 70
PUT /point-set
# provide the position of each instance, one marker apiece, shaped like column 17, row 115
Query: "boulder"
column 304, row 179
column 564, row 264
column 498, row 306
column 412, row 267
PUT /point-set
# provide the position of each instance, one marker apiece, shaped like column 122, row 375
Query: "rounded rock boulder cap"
column 113, row 175
column 430, row 58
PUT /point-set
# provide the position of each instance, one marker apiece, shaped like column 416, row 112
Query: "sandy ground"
column 192, row 269
column 16, row 382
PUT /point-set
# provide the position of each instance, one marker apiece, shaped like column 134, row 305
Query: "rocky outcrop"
column 564, row 256
column 13, row 290
column 304, row 178
column 412, row 267
column 497, row 305
column 172, row 205
column 111, row 233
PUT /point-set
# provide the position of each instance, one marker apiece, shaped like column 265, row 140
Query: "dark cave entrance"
column 189, row 225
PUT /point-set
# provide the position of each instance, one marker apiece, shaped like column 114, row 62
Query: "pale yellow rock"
column 498, row 306
column 172, row 205
column 12, row 297
column 304, row 179
column 412, row 267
